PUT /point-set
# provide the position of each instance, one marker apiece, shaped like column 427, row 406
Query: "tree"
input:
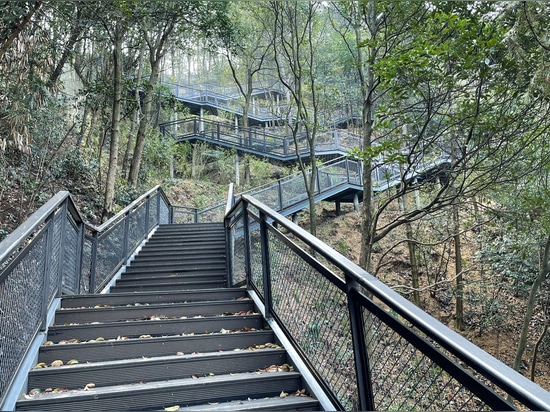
column 297, row 32
column 162, row 23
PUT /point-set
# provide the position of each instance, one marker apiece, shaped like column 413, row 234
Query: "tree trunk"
column 459, row 300
column 531, row 302
column 366, row 76
column 108, row 205
column 68, row 49
column 143, row 122
column 135, row 120
column 156, row 53
column 403, row 206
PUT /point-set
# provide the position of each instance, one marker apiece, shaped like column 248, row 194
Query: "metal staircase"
column 169, row 335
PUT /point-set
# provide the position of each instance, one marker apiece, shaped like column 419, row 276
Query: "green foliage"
column 513, row 259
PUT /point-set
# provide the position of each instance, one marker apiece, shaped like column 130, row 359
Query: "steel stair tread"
column 159, row 394
column 123, row 313
column 206, row 295
column 126, row 371
column 288, row 403
column 154, row 346
column 154, row 327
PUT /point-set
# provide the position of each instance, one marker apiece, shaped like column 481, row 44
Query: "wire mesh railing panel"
column 293, row 191
column 269, row 196
column 153, row 220
column 109, row 253
column 71, row 268
column 314, row 312
column 184, row 216
column 405, row 378
column 354, row 172
column 212, row 214
column 164, row 216
column 138, row 227
column 256, row 259
column 21, row 298
column 85, row 273
column 238, row 254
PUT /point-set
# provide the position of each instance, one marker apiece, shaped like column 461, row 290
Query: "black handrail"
column 369, row 302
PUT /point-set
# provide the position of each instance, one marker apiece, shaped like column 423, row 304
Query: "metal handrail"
column 369, row 301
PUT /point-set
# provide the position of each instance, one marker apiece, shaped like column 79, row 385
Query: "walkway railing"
column 369, row 347
column 55, row 252
column 288, row 194
column 275, row 143
column 229, row 98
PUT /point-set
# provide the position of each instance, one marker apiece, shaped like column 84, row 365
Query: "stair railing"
column 363, row 344
column 55, row 252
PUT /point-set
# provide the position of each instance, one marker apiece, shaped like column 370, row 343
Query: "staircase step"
column 156, row 346
column 195, row 266
column 154, row 327
column 126, row 371
column 167, row 257
column 161, row 394
column 175, row 265
column 170, row 286
column 187, row 236
column 146, row 276
column 186, row 227
column 123, row 313
column 185, row 252
column 288, row 403
column 116, row 299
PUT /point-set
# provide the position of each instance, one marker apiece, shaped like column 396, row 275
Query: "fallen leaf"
column 48, row 343
column 179, row 353
column 35, row 391
column 194, row 376
column 72, row 362
column 89, row 386
column 100, row 339
column 57, row 362
column 283, row 394
column 172, row 408
column 41, row 365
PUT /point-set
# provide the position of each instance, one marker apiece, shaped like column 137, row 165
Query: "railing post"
column 157, row 212
column 347, row 170
column 93, row 262
column 280, row 192
column 317, row 180
column 46, row 272
column 62, row 248
column 266, row 266
column 247, row 257
column 79, row 254
column 126, row 235
column 147, row 215
column 362, row 364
